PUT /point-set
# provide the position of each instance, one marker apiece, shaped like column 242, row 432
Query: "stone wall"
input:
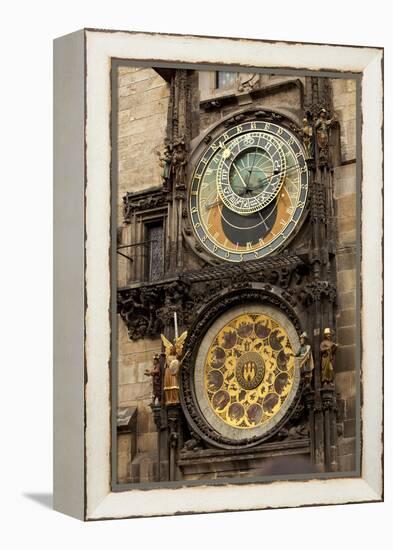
column 344, row 104
column 142, row 115
column 143, row 98
column 134, row 389
column 279, row 93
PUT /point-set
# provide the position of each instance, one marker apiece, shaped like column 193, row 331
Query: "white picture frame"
column 82, row 385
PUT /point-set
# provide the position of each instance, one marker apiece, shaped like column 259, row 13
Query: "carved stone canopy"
column 147, row 309
column 143, row 201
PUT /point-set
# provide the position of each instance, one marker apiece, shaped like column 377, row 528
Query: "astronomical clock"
column 247, row 199
column 249, row 191
column 248, row 274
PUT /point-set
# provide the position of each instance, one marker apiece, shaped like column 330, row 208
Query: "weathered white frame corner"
column 101, row 47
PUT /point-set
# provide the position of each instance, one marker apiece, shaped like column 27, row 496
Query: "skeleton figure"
column 173, row 354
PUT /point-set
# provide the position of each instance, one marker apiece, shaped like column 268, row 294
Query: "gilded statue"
column 155, row 373
column 173, row 361
column 328, row 350
column 306, row 360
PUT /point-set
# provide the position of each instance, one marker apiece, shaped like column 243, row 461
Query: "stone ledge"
column 127, row 419
column 262, row 451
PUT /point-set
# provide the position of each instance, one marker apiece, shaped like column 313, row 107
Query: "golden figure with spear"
column 173, row 354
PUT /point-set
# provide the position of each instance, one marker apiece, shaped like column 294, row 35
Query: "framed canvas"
column 218, row 274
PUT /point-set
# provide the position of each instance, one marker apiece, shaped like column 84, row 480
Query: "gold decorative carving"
column 173, row 354
column 249, row 370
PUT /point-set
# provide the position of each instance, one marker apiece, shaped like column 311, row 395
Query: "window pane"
column 155, row 249
column 225, row 79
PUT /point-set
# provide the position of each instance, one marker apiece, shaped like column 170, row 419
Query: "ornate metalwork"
column 155, row 263
column 249, row 370
column 196, row 333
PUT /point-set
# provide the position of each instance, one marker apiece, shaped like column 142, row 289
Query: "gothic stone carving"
column 322, row 130
column 147, row 310
column 173, row 160
column 143, row 201
column 137, row 309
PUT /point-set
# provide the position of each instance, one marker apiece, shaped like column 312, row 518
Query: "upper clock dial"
column 251, row 172
column 248, row 191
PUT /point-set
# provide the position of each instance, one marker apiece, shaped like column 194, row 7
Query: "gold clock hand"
column 209, row 205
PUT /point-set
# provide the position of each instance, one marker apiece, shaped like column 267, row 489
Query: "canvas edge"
column 68, row 272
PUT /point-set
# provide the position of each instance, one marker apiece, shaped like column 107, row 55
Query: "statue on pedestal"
column 179, row 163
column 307, row 134
column 173, row 353
column 322, row 128
column 165, row 157
column 155, row 373
column 306, row 360
column 328, row 350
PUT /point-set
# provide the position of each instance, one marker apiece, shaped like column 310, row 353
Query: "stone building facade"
column 143, row 97
column 344, row 102
column 162, row 269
